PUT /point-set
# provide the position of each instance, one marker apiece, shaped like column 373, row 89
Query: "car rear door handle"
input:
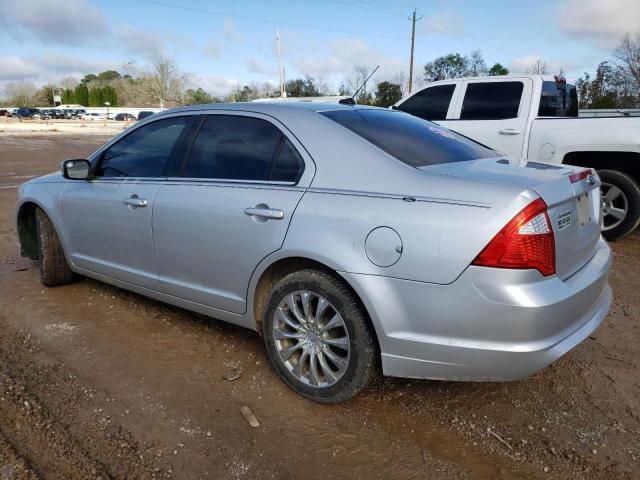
column 264, row 212
column 509, row 131
column 135, row 201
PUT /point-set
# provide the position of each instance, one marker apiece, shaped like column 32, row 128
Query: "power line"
column 269, row 21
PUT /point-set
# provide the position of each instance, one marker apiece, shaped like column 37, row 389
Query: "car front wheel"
column 318, row 337
column 54, row 269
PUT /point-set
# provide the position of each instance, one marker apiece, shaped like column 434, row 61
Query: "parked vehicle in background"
column 535, row 117
column 4, row 112
column 43, row 114
column 122, row 117
column 94, row 116
column 462, row 265
column 25, row 112
column 144, row 114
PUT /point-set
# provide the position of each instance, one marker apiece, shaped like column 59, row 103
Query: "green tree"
column 302, row 87
column 498, row 69
column 197, row 97
column 108, row 76
column 388, row 93
column 81, row 94
column 68, row 98
column 448, row 66
column 88, row 78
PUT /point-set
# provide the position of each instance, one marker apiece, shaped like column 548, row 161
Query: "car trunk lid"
column 572, row 195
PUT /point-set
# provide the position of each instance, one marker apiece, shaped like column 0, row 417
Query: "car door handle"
column 264, row 212
column 509, row 131
column 135, row 201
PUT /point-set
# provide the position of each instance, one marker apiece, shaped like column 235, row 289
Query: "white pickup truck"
column 535, row 117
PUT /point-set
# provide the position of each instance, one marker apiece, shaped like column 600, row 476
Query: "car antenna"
column 352, row 99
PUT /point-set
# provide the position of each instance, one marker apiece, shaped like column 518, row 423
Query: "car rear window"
column 411, row 140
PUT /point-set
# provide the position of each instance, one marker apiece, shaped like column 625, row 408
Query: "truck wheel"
column 54, row 269
column 621, row 204
column 318, row 337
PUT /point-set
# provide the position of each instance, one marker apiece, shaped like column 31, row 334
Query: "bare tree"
column 166, row 83
column 401, row 79
column 69, row 83
column 538, row 67
column 21, row 94
column 628, row 54
column 476, row 65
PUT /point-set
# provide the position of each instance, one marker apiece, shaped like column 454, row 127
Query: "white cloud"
column 216, row 85
column 603, row 22
column 437, row 23
column 15, row 68
column 344, row 55
column 256, row 66
column 52, row 21
column 146, row 44
column 213, row 49
column 230, row 32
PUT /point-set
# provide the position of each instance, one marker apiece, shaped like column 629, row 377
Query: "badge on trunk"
column 564, row 220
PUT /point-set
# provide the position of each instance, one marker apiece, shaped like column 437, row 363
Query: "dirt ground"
column 96, row 382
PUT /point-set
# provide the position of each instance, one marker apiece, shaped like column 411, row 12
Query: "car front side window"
column 145, row 152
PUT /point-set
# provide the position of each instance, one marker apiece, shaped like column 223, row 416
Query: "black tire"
column 361, row 366
column 54, row 269
column 631, row 191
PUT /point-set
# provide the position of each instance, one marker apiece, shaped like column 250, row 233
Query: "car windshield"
column 411, row 140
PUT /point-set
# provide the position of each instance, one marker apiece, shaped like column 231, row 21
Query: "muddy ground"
column 96, row 382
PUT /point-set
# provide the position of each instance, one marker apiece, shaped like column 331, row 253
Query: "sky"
column 227, row 43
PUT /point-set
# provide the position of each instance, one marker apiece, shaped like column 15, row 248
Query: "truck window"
column 491, row 101
column 430, row 103
column 558, row 100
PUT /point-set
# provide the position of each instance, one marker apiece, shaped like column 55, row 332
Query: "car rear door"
column 495, row 113
column 227, row 207
column 107, row 220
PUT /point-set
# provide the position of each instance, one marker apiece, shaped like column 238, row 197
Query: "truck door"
column 494, row 112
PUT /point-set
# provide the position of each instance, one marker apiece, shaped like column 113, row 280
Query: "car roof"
column 271, row 108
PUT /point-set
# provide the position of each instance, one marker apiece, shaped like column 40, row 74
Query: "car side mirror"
column 77, row 169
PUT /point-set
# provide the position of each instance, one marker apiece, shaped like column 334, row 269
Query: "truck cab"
column 535, row 117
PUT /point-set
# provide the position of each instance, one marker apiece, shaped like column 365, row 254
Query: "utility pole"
column 283, row 93
column 413, row 41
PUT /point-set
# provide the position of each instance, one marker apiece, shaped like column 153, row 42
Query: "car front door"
column 495, row 112
column 107, row 220
column 227, row 208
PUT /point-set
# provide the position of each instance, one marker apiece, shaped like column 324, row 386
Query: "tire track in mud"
column 58, row 439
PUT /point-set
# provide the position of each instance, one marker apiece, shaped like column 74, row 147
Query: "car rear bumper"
column 490, row 324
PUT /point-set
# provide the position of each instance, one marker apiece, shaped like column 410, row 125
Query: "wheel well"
column 280, row 269
column 626, row 162
column 27, row 230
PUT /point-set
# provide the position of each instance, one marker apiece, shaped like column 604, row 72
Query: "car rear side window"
column 558, row 100
column 432, row 103
column 145, row 152
column 491, row 101
column 411, row 140
column 242, row 148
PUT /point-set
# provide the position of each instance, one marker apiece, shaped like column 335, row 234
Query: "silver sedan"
column 350, row 237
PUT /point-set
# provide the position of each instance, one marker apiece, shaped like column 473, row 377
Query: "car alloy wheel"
column 311, row 338
column 615, row 206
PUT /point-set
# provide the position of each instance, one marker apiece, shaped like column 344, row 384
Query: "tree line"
column 615, row 83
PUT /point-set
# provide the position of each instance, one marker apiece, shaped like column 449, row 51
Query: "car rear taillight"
column 525, row 242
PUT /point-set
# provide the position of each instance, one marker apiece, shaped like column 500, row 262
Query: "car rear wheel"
column 54, row 269
column 620, row 204
column 318, row 337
